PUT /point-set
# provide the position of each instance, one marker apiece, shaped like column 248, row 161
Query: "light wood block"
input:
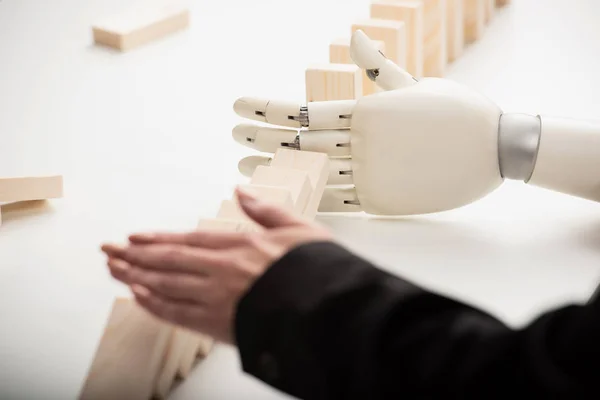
column 296, row 181
column 198, row 346
column 490, row 10
column 339, row 53
column 435, row 45
column 317, row 166
column 30, row 188
column 474, row 19
column 129, row 356
column 177, row 346
column 326, row 82
column 391, row 33
column 455, row 32
column 140, row 25
column 411, row 13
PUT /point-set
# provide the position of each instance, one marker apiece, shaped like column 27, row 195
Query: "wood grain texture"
column 327, row 82
column 474, row 19
column 30, row 188
column 435, row 45
column 391, row 33
column 129, row 356
column 339, row 53
column 140, row 24
column 411, row 14
column 455, row 32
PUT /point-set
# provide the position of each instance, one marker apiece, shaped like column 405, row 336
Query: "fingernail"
column 142, row 237
column 112, row 248
column 140, row 291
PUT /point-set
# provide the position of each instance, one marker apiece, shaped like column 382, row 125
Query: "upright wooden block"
column 391, row 33
column 490, row 10
column 140, row 24
column 30, row 188
column 474, row 19
column 326, row 82
column 317, row 166
column 339, row 53
column 455, row 31
column 411, row 13
column 435, row 45
column 129, row 356
column 177, row 346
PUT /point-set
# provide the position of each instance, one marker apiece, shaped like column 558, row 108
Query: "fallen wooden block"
column 411, row 14
column 30, row 188
column 435, row 45
column 391, row 33
column 326, row 82
column 474, row 20
column 129, row 356
column 455, row 31
column 140, row 25
column 339, row 53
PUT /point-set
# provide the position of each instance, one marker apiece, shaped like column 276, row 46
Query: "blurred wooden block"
column 490, row 10
column 326, row 82
column 129, row 356
column 474, row 19
column 339, row 53
column 317, row 167
column 391, row 33
column 177, row 346
column 198, row 346
column 455, row 32
column 296, row 181
column 411, row 13
column 140, row 24
column 435, row 45
column 30, row 188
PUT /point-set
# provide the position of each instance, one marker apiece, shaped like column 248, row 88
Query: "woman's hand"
column 196, row 279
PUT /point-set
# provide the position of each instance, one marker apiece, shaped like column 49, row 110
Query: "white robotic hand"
column 422, row 146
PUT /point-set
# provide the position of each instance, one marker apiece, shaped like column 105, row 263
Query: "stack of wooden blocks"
column 140, row 357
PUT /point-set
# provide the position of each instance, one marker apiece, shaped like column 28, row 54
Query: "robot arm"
column 421, row 146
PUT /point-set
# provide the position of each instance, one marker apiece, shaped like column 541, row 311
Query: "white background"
column 143, row 140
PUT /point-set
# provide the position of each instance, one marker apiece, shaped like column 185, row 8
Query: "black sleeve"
column 322, row 323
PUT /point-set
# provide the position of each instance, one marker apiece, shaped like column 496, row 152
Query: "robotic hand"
column 422, row 146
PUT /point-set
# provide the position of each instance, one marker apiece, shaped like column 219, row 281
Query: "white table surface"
column 144, row 142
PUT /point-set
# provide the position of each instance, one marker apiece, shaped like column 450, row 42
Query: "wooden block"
column 129, row 356
column 391, row 33
column 317, row 166
column 435, row 45
column 474, row 19
column 490, row 10
column 140, row 24
column 177, row 346
column 297, row 181
column 339, row 53
column 455, row 32
column 326, row 82
column 411, row 13
column 30, row 188
column 198, row 346
column 230, row 209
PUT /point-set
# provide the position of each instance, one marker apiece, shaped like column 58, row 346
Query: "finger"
column 113, row 250
column 210, row 239
column 264, row 213
column 181, row 313
column 340, row 169
column 340, row 200
column 174, row 285
column 384, row 72
column 314, row 116
column 173, row 257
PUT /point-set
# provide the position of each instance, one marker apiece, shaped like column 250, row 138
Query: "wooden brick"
column 435, row 45
column 391, row 33
column 30, row 188
column 129, row 356
column 455, row 32
column 474, row 19
column 297, row 181
column 140, row 24
column 339, row 53
column 178, row 345
column 411, row 13
column 326, row 82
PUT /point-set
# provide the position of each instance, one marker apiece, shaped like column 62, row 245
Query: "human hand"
column 196, row 279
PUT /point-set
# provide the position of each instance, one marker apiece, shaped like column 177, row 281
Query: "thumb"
column 267, row 214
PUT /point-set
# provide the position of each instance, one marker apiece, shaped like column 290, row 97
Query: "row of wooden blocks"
column 140, row 357
column 21, row 189
column 421, row 36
